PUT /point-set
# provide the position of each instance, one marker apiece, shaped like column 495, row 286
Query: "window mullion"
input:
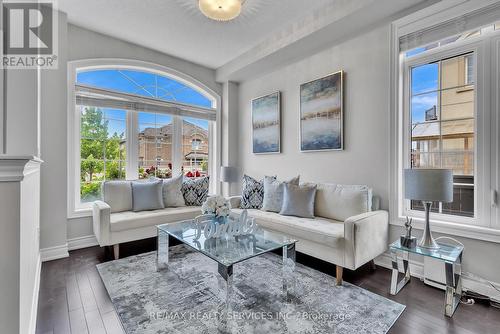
column 177, row 157
column 132, row 160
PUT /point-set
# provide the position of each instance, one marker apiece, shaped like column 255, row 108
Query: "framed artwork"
column 321, row 114
column 266, row 124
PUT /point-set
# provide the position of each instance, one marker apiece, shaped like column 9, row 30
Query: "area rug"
column 188, row 298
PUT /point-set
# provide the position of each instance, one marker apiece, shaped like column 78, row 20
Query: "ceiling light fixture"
column 220, row 10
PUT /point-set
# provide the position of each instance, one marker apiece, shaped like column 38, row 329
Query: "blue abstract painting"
column 321, row 114
column 266, row 124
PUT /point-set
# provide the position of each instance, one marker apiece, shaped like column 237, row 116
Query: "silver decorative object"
column 236, row 225
column 407, row 240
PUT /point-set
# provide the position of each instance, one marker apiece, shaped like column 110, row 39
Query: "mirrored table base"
column 453, row 270
column 226, row 272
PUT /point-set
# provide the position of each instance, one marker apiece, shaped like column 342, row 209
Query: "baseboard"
column 470, row 282
column 82, row 242
column 54, row 253
column 36, row 291
column 481, row 286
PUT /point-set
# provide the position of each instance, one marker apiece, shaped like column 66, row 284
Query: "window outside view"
column 103, row 143
column 102, row 149
column 442, row 125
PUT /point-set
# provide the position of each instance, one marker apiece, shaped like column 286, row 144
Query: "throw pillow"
column 273, row 193
column 298, row 200
column 195, row 191
column 172, row 192
column 252, row 194
column 118, row 195
column 147, row 195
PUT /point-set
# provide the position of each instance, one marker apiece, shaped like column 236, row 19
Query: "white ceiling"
column 178, row 28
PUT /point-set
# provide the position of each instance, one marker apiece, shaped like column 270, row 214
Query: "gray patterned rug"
column 187, row 298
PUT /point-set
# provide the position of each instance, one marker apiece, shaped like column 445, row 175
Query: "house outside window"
column 442, row 126
column 120, row 138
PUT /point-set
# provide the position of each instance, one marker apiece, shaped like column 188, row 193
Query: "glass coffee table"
column 451, row 255
column 228, row 250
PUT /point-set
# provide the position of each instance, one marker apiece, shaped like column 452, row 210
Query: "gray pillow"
column 147, row 195
column 172, row 192
column 273, row 193
column 298, row 200
column 118, row 195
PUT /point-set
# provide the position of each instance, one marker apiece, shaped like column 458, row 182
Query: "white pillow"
column 172, row 192
column 339, row 202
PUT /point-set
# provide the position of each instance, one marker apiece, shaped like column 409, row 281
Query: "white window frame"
column 75, row 209
column 481, row 130
column 487, row 221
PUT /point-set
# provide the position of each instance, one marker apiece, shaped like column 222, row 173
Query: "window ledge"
column 461, row 230
column 465, row 89
column 80, row 213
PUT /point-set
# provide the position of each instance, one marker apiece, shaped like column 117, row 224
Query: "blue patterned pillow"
column 195, row 191
column 253, row 193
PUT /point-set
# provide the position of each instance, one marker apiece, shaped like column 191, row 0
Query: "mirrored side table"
column 451, row 255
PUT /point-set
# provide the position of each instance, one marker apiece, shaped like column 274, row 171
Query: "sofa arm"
column 366, row 236
column 101, row 213
column 234, row 201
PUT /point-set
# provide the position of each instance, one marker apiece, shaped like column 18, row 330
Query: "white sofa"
column 348, row 229
column 114, row 222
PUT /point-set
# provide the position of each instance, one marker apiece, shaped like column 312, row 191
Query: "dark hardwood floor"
column 73, row 298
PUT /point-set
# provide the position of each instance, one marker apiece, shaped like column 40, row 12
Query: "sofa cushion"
column 298, row 200
column 147, row 195
column 118, row 195
column 253, row 193
column 324, row 231
column 273, row 192
column 195, row 191
column 172, row 192
column 128, row 220
column 339, row 202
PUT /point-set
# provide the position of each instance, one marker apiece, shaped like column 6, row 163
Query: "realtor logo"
column 29, row 34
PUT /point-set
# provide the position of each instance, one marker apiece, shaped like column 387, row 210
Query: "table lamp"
column 428, row 185
column 229, row 175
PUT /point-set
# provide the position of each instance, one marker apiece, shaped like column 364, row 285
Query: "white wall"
column 365, row 61
column 229, row 123
column 80, row 44
column 21, row 109
column 365, row 160
column 9, row 256
column 53, row 146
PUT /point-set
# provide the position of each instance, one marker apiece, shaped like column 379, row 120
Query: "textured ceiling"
column 178, row 28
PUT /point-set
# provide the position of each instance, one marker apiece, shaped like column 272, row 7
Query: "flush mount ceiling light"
column 220, row 10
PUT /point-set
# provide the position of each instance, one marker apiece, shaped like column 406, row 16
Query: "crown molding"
column 13, row 168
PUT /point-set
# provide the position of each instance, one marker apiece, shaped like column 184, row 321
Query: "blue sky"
column 424, row 86
column 145, row 84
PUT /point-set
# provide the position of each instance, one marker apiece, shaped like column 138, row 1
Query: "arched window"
column 137, row 122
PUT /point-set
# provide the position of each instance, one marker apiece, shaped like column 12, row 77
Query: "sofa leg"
column 116, row 251
column 338, row 276
column 373, row 266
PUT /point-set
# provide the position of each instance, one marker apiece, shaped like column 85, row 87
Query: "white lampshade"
column 429, row 184
column 228, row 174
